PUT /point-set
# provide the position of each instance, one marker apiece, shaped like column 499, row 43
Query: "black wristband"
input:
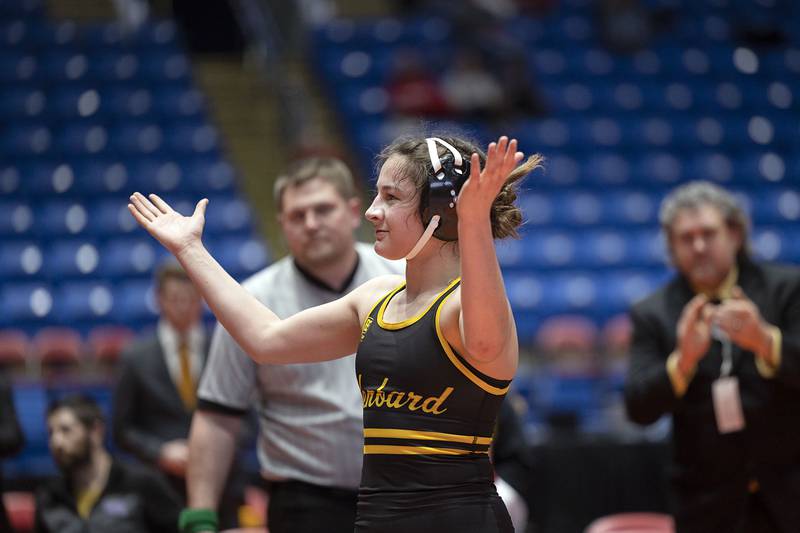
column 197, row 520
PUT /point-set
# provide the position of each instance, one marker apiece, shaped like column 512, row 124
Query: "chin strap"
column 424, row 238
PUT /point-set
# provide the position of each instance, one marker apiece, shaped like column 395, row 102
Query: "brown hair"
column 505, row 216
column 167, row 271
column 85, row 409
column 328, row 169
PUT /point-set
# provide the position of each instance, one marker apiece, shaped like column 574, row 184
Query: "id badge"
column 727, row 404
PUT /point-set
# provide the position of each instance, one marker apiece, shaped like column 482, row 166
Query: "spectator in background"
column 471, row 90
column 309, row 414
column 718, row 348
column 156, row 391
column 412, row 88
column 11, row 438
column 95, row 492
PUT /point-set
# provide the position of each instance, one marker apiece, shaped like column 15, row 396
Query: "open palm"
column 169, row 227
column 483, row 185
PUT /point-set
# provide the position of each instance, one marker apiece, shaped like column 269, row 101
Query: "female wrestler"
column 436, row 350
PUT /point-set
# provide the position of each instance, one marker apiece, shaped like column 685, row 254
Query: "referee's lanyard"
column 725, row 393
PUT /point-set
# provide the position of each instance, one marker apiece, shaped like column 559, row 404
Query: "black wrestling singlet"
column 428, row 423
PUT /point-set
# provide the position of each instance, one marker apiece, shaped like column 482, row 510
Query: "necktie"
column 186, row 385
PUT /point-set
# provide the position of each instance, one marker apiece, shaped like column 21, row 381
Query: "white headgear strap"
column 424, row 238
column 434, row 153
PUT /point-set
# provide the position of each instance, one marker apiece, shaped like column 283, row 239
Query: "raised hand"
column 694, row 331
column 173, row 230
column 740, row 319
column 479, row 191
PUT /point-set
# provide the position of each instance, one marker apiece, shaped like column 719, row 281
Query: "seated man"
column 94, row 492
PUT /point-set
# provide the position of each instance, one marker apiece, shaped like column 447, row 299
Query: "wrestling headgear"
column 437, row 205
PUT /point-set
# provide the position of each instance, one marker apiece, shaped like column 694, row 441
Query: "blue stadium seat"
column 95, row 176
column 136, row 138
column 71, row 259
column 58, row 218
column 31, row 402
column 26, row 102
column 240, row 256
column 228, row 215
column 158, row 175
column 629, row 207
column 25, row 139
column 16, row 219
column 23, row 304
column 41, row 178
column 646, row 248
column 82, row 138
column 18, row 66
column 130, row 257
column 160, row 66
column 60, row 66
column 134, row 303
column 162, row 34
column 658, row 168
column 209, row 175
column 776, row 243
column 607, row 169
column 128, row 100
column 111, row 218
column 109, row 65
column 191, row 137
column 20, row 259
column 620, row 289
column 82, row 302
column 50, row 34
column 598, row 249
column 176, row 100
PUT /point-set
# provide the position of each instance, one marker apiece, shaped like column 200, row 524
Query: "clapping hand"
column 740, row 319
column 173, row 230
column 694, row 331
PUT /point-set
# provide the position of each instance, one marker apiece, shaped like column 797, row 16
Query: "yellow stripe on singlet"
column 424, row 435
column 416, row 450
column 448, row 350
column 407, row 322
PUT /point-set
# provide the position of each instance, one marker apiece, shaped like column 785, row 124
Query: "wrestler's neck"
column 432, row 269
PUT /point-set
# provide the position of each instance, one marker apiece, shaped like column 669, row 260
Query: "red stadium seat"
column 616, row 335
column 21, row 509
column 14, row 346
column 633, row 523
column 107, row 342
column 58, row 350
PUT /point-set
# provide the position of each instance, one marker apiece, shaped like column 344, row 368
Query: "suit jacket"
column 711, row 472
column 148, row 410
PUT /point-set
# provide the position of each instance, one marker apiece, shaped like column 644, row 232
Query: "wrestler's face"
column 70, row 441
column 318, row 223
column 703, row 246
column 394, row 212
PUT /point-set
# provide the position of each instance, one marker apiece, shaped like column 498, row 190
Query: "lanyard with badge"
column 725, row 389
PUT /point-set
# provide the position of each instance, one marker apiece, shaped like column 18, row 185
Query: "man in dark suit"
column 155, row 395
column 718, row 348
